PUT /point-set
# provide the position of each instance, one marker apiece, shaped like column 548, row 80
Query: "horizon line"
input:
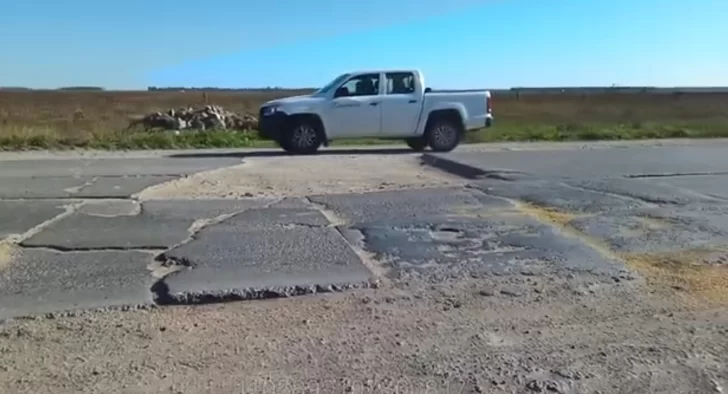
column 277, row 88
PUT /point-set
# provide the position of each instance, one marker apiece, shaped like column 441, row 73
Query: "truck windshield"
column 331, row 85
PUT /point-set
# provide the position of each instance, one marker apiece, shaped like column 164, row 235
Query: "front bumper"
column 271, row 126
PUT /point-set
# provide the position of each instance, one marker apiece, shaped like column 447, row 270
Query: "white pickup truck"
column 392, row 104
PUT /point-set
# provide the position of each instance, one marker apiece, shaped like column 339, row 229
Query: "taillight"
column 489, row 103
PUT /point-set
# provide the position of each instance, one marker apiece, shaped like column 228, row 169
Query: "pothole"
column 162, row 266
column 446, row 234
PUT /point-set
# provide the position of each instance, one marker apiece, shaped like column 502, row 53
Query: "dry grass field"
column 64, row 119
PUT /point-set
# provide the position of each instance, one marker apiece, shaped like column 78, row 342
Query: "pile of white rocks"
column 209, row 117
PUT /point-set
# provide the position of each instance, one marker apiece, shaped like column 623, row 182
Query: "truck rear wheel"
column 302, row 138
column 418, row 144
column 443, row 135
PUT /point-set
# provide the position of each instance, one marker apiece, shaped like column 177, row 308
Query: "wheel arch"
column 447, row 114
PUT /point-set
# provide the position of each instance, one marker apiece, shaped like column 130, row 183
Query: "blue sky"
column 294, row 43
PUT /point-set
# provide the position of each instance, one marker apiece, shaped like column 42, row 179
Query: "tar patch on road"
column 441, row 234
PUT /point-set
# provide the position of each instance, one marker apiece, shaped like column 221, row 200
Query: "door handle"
column 373, row 104
column 412, row 101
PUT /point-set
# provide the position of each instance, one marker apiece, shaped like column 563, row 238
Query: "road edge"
column 452, row 166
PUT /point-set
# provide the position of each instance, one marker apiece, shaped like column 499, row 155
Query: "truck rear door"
column 401, row 104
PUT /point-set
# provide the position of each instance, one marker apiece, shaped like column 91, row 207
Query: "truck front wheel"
column 443, row 135
column 302, row 137
column 418, row 144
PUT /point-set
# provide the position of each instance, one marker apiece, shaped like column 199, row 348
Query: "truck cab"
column 392, row 104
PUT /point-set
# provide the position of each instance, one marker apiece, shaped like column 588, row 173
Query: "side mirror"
column 428, row 90
column 341, row 92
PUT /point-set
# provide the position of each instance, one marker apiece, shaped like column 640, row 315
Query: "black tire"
column 443, row 135
column 302, row 137
column 418, row 144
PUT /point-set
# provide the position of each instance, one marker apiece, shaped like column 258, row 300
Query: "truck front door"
column 355, row 111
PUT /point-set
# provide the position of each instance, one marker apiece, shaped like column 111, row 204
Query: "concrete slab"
column 593, row 163
column 200, row 209
column 657, row 230
column 86, row 232
column 119, row 187
column 159, row 225
column 628, row 215
column 466, row 247
column 404, row 205
column 110, row 208
column 558, row 194
column 283, row 217
column 18, row 217
column 656, row 191
column 41, row 281
column 40, row 187
column 715, row 186
column 76, row 187
column 112, row 177
column 453, row 233
column 112, row 166
column 234, row 261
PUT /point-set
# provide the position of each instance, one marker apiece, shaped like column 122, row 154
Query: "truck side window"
column 400, row 83
column 362, row 85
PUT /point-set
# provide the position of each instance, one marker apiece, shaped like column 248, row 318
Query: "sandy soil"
column 305, row 175
column 498, row 335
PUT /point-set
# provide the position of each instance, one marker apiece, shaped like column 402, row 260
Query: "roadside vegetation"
column 98, row 119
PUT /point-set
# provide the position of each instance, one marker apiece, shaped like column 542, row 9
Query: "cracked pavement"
column 567, row 268
column 75, row 235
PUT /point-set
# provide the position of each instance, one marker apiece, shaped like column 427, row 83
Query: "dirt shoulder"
column 488, row 336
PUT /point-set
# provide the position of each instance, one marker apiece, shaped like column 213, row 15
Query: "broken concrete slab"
column 713, row 186
column 404, row 205
column 159, row 225
column 559, row 195
column 40, row 187
column 119, row 187
column 112, row 166
column 18, row 217
column 475, row 247
column 96, row 178
column 42, row 281
column 596, row 163
column 233, row 261
column 656, row 230
column 657, row 191
column 110, row 208
column 77, row 187
column 200, row 209
column 86, row 232
column 284, row 217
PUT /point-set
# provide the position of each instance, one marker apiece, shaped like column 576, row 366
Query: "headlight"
column 267, row 111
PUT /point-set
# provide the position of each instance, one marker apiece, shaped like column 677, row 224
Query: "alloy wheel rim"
column 304, row 136
column 444, row 135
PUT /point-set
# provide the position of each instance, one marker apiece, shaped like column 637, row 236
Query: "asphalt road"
column 75, row 237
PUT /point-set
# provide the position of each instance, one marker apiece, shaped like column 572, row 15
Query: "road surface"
column 110, row 231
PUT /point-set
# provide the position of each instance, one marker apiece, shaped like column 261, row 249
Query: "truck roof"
column 390, row 70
